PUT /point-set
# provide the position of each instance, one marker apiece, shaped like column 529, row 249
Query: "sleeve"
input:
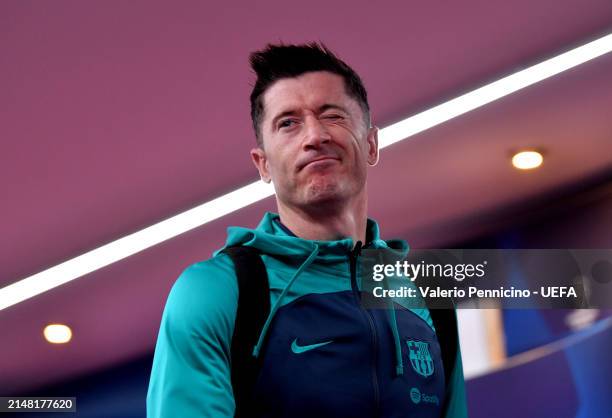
column 457, row 403
column 190, row 376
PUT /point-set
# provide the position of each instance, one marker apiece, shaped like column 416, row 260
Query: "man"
column 321, row 352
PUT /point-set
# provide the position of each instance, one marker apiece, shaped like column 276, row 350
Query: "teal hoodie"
column 322, row 352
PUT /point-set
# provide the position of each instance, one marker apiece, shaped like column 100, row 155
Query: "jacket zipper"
column 354, row 254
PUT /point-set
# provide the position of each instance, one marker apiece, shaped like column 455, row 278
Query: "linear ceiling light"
column 256, row 191
column 133, row 243
column 493, row 91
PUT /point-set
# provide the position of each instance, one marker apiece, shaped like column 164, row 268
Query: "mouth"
column 317, row 161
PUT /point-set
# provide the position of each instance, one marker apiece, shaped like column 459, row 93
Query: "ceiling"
column 116, row 115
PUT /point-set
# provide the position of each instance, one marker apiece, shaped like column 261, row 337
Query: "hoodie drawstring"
column 399, row 362
column 276, row 306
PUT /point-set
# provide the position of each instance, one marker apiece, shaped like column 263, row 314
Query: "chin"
column 321, row 194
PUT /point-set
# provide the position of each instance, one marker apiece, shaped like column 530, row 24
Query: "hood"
column 270, row 237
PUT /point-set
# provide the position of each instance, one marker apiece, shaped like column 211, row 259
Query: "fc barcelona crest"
column 421, row 360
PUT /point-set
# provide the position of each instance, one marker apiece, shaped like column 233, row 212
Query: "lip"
column 319, row 159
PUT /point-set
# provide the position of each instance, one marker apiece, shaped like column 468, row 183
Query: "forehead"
column 310, row 90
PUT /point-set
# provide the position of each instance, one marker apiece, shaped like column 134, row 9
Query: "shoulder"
column 204, row 294
column 212, row 275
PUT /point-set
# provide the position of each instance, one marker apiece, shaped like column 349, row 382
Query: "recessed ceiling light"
column 57, row 333
column 527, row 160
column 256, row 191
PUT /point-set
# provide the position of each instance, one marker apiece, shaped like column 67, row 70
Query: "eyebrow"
column 321, row 109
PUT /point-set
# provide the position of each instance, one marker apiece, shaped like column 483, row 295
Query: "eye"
column 333, row 116
column 286, row 123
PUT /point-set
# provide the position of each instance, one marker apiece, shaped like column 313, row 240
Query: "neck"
column 327, row 222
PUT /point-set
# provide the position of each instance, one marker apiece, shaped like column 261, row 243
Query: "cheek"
column 354, row 142
column 280, row 165
column 359, row 152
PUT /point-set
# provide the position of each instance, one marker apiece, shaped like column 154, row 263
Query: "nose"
column 315, row 133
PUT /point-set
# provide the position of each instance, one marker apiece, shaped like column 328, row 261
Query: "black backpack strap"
column 253, row 310
column 445, row 322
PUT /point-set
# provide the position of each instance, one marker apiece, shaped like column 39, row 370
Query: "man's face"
column 316, row 145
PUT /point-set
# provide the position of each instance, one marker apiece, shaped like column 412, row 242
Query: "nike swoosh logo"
column 299, row 349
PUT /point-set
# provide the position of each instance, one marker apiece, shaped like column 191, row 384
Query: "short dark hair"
column 275, row 62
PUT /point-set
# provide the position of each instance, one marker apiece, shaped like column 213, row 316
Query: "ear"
column 372, row 143
column 260, row 161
